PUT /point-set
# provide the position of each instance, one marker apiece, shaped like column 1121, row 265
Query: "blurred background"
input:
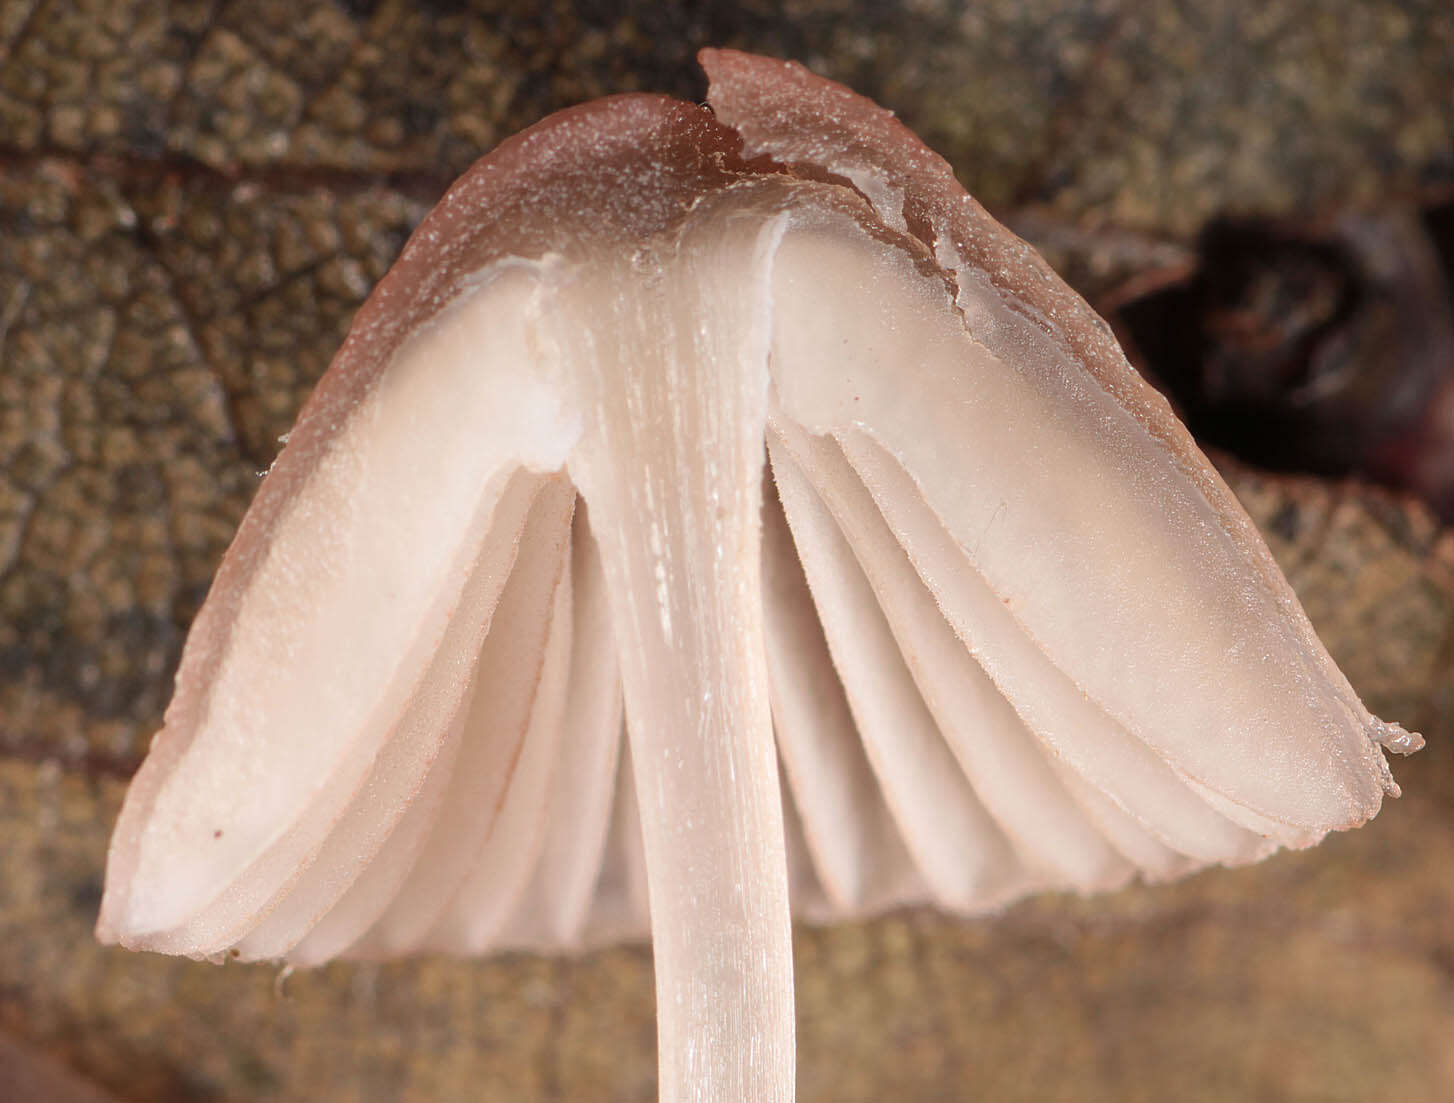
column 194, row 198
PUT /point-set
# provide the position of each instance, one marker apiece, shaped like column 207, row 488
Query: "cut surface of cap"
column 717, row 509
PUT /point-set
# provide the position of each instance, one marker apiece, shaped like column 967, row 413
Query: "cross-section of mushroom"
column 704, row 497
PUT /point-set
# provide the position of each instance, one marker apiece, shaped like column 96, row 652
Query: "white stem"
column 671, row 468
column 707, row 783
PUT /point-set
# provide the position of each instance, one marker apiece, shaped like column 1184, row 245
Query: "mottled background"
column 195, row 197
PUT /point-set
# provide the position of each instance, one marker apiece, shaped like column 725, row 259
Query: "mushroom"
column 749, row 427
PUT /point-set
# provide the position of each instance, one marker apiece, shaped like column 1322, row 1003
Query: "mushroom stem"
column 671, row 463
column 707, row 783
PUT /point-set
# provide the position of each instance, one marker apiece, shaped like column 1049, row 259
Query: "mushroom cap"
column 742, row 413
